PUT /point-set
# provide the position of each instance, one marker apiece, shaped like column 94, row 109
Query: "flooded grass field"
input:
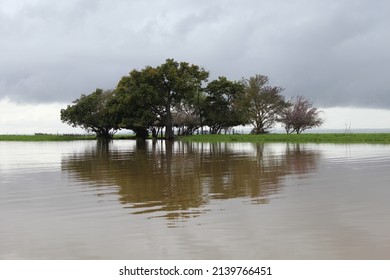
column 180, row 200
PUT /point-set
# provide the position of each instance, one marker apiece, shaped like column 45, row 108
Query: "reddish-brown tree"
column 300, row 115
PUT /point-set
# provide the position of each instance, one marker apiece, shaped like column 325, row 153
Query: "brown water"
column 129, row 200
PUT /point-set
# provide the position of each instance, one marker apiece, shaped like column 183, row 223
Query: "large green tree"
column 94, row 113
column 221, row 108
column 263, row 103
column 153, row 94
column 138, row 103
column 179, row 82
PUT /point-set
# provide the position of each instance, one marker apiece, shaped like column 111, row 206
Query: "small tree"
column 262, row 103
column 93, row 113
column 300, row 115
column 186, row 122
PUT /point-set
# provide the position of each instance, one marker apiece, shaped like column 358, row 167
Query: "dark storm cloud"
column 334, row 52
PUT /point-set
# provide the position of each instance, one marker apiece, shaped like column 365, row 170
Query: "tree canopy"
column 138, row 102
column 176, row 94
column 149, row 97
column 93, row 112
column 221, row 109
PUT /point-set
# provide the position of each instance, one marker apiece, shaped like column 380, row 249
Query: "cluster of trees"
column 178, row 94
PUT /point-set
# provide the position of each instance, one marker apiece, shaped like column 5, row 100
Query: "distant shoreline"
column 363, row 138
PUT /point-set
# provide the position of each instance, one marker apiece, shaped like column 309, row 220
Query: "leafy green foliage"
column 147, row 98
column 173, row 95
column 180, row 85
column 93, row 112
column 220, row 109
column 138, row 102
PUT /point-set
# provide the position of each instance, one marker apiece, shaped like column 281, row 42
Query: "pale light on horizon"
column 355, row 118
column 45, row 118
column 33, row 118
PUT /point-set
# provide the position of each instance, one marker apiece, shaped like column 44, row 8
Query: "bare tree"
column 300, row 115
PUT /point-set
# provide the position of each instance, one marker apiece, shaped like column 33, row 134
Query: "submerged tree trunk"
column 142, row 133
column 168, row 123
column 104, row 133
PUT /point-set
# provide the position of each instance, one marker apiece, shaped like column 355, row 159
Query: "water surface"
column 161, row 200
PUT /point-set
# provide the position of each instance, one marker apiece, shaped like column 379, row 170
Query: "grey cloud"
column 334, row 52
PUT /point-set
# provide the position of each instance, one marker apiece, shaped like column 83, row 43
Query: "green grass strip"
column 369, row 138
column 46, row 137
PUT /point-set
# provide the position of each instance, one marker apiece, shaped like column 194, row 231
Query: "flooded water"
column 131, row 200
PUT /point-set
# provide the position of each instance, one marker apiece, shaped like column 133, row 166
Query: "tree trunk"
column 141, row 133
column 259, row 129
column 168, row 123
column 103, row 134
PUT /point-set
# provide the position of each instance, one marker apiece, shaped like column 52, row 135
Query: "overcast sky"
column 335, row 52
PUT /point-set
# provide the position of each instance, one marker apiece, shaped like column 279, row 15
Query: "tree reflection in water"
column 177, row 180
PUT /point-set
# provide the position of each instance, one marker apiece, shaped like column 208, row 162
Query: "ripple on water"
column 194, row 200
